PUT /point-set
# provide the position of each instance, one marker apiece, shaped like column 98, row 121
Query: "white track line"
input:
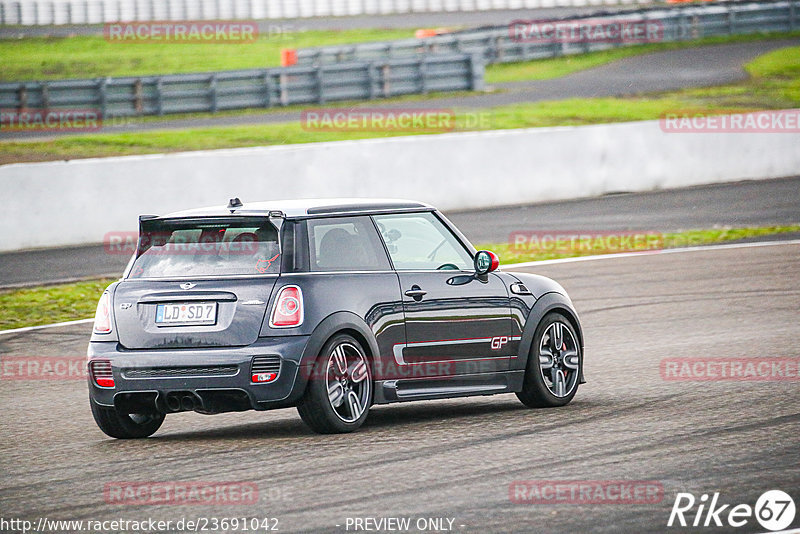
column 650, row 253
column 40, row 327
column 521, row 265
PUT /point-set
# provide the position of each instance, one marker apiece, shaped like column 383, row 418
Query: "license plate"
column 186, row 313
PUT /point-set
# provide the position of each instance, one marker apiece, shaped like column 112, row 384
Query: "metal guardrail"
column 498, row 45
column 258, row 88
column 46, row 12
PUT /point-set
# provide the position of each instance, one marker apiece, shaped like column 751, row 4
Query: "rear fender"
column 329, row 327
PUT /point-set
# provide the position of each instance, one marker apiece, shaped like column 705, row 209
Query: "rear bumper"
column 218, row 379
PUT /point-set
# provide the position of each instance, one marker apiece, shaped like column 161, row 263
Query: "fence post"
column 45, row 96
column 52, row 13
column 69, row 12
column 372, row 77
column 102, row 95
column 320, row 87
column 212, row 92
column 792, row 15
column 423, row 74
column 159, row 97
column 2, row 14
column 731, row 20
column 267, row 89
column 476, row 73
column 22, row 96
column 18, row 9
column 284, row 91
column 138, row 105
column 386, row 73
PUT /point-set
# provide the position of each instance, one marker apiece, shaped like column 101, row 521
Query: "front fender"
column 552, row 301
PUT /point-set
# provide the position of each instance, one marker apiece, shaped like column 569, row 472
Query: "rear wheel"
column 339, row 393
column 125, row 426
column 554, row 365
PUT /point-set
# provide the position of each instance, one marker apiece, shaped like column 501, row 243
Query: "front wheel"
column 339, row 392
column 125, row 426
column 554, row 364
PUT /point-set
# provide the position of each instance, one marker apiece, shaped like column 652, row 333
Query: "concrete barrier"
column 75, row 202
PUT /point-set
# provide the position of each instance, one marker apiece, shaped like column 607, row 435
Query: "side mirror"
column 486, row 262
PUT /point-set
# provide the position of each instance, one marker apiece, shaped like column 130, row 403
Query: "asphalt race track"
column 747, row 203
column 456, row 458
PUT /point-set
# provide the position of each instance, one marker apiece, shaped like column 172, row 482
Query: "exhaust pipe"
column 173, row 402
column 183, row 401
column 187, row 402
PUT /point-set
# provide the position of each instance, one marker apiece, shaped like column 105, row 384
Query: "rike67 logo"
column 774, row 511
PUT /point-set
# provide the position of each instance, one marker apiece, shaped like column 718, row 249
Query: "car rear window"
column 345, row 244
column 207, row 247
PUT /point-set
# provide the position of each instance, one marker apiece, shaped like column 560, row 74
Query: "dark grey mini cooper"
column 327, row 305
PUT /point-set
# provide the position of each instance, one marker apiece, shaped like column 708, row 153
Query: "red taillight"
column 288, row 309
column 100, row 371
column 102, row 317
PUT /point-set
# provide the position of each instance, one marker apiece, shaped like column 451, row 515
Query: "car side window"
column 345, row 244
column 420, row 241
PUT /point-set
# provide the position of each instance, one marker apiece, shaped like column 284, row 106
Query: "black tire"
column 124, row 426
column 538, row 391
column 316, row 408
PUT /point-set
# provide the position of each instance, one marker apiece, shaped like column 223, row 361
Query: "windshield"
column 207, row 247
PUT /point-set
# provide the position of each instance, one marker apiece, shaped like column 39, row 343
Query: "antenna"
column 234, row 203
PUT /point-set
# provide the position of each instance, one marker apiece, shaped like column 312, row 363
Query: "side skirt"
column 411, row 389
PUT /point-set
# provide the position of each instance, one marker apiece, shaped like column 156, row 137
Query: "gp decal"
column 495, row 343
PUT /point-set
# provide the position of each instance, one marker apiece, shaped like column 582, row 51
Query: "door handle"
column 416, row 293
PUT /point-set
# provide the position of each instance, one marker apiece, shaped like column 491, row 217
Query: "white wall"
column 73, row 202
column 35, row 12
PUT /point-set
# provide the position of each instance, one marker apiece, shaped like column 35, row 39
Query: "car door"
column 455, row 324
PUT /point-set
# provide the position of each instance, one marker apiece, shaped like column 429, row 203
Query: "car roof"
column 305, row 207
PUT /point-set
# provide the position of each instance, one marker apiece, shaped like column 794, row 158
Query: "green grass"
column 50, row 304
column 69, row 302
column 546, row 249
column 544, row 69
column 45, row 58
column 774, row 84
column 42, row 58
